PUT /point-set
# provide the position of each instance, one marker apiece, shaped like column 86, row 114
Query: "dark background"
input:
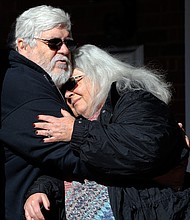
column 158, row 25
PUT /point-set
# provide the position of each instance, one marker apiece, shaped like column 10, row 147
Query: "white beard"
column 65, row 70
column 60, row 79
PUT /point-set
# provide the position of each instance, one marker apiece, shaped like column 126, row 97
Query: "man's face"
column 55, row 62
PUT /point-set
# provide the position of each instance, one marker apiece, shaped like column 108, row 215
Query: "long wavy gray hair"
column 103, row 69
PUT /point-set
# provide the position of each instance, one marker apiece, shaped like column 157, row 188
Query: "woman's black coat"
column 131, row 147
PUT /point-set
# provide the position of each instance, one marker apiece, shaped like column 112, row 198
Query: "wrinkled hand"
column 33, row 206
column 55, row 129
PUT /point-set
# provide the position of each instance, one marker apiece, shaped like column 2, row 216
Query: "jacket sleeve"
column 140, row 138
column 51, row 186
column 23, row 99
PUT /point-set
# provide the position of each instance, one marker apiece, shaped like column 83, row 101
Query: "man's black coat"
column 27, row 92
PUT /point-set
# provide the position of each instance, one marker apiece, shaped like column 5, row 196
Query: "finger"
column 187, row 141
column 42, row 125
column 38, row 215
column 62, row 112
column 65, row 113
column 37, row 212
column 30, row 213
column 50, row 140
column 27, row 215
column 180, row 125
column 46, row 202
column 47, row 118
column 43, row 133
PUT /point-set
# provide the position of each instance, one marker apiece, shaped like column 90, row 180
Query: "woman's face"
column 80, row 97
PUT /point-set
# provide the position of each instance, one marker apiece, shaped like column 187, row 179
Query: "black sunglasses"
column 56, row 43
column 72, row 82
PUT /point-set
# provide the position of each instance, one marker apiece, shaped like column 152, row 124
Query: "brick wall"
column 158, row 25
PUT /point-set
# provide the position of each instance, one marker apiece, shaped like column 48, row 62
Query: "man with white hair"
column 40, row 44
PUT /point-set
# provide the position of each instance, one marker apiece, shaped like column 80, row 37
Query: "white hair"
column 103, row 69
column 32, row 22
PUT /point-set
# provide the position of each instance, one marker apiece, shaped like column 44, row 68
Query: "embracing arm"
column 139, row 139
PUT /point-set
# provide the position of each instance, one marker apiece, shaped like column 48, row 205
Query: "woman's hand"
column 33, row 206
column 186, row 137
column 55, row 129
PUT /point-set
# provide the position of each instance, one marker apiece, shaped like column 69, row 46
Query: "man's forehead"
column 56, row 32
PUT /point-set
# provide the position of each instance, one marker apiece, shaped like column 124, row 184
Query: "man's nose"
column 64, row 49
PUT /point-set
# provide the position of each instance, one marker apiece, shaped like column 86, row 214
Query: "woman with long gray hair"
column 125, row 132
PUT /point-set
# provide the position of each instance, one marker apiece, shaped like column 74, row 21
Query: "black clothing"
column 54, row 189
column 137, row 140
column 27, row 92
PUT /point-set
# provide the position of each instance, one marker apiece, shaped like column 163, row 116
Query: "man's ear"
column 20, row 44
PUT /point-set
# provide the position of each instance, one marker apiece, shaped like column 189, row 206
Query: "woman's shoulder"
column 139, row 94
column 140, row 97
